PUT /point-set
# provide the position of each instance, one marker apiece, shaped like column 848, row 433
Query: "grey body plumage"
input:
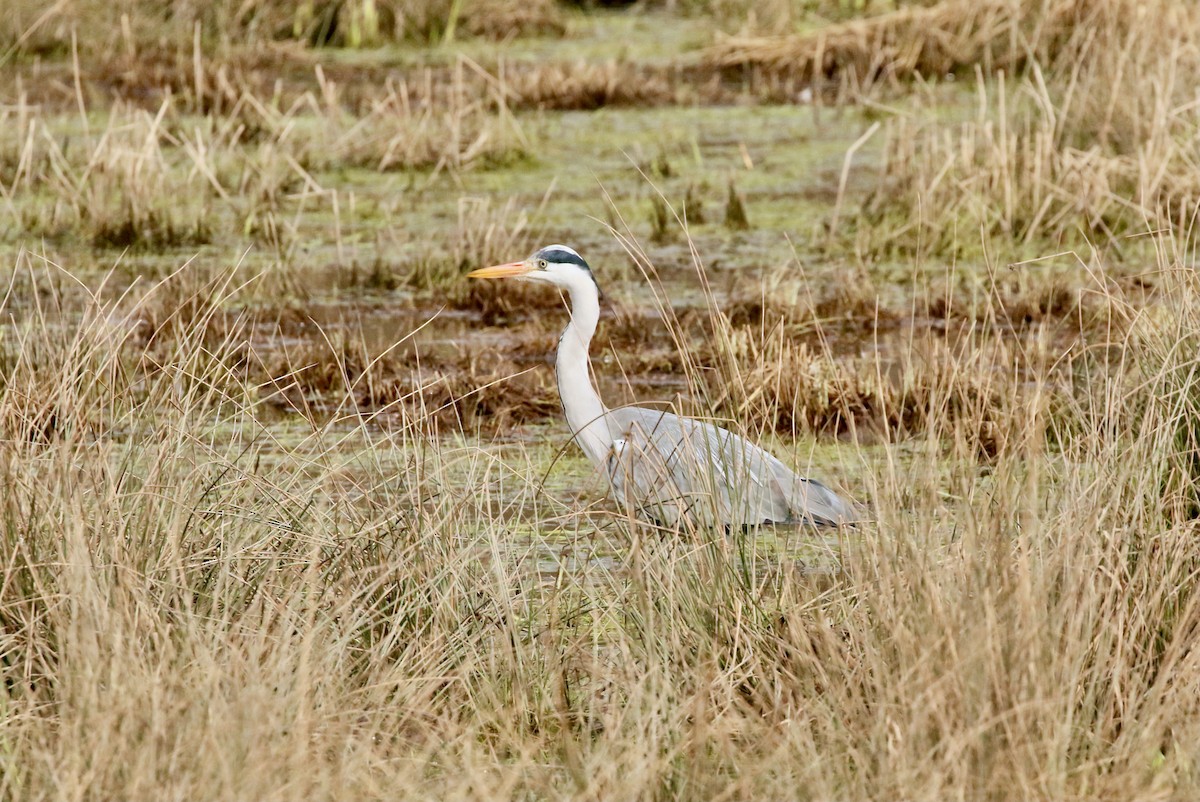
column 671, row 468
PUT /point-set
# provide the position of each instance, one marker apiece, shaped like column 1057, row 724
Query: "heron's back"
column 668, row 468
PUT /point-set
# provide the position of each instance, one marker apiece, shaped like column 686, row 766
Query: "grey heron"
column 664, row 467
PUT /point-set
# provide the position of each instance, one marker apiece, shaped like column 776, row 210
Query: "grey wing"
column 656, row 471
column 668, row 467
column 808, row 500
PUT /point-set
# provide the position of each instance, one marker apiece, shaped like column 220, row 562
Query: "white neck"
column 585, row 411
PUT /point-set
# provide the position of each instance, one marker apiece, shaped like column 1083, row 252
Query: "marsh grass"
column 345, row 605
column 37, row 29
column 935, row 39
column 1013, row 172
column 1088, row 137
column 253, row 551
column 155, row 181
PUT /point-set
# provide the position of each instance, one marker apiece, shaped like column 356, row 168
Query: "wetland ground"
column 289, row 510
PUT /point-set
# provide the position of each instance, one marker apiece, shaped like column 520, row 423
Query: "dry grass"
column 333, row 371
column 1012, row 174
column 927, row 40
column 103, row 31
column 584, row 85
column 250, row 553
column 408, row 126
column 916, row 39
column 205, row 605
column 1091, row 143
column 163, row 179
column 941, row 38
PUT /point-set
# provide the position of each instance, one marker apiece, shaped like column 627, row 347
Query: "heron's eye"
column 543, row 264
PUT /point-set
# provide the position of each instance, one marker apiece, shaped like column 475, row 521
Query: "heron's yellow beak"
column 510, row 270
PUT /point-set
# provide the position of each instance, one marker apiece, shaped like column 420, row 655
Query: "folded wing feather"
column 667, row 468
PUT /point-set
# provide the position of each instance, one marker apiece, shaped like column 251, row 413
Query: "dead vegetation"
column 940, row 38
column 980, row 395
column 380, row 559
column 162, row 180
column 274, row 526
column 584, row 85
column 1091, row 141
column 1018, row 178
column 32, row 29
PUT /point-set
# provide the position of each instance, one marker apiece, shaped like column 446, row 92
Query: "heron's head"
column 554, row 264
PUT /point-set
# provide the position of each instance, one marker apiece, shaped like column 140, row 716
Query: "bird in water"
column 666, row 468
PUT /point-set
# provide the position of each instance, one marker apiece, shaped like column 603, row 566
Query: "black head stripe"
column 560, row 254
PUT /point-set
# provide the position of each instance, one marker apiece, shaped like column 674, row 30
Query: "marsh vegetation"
column 288, row 511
